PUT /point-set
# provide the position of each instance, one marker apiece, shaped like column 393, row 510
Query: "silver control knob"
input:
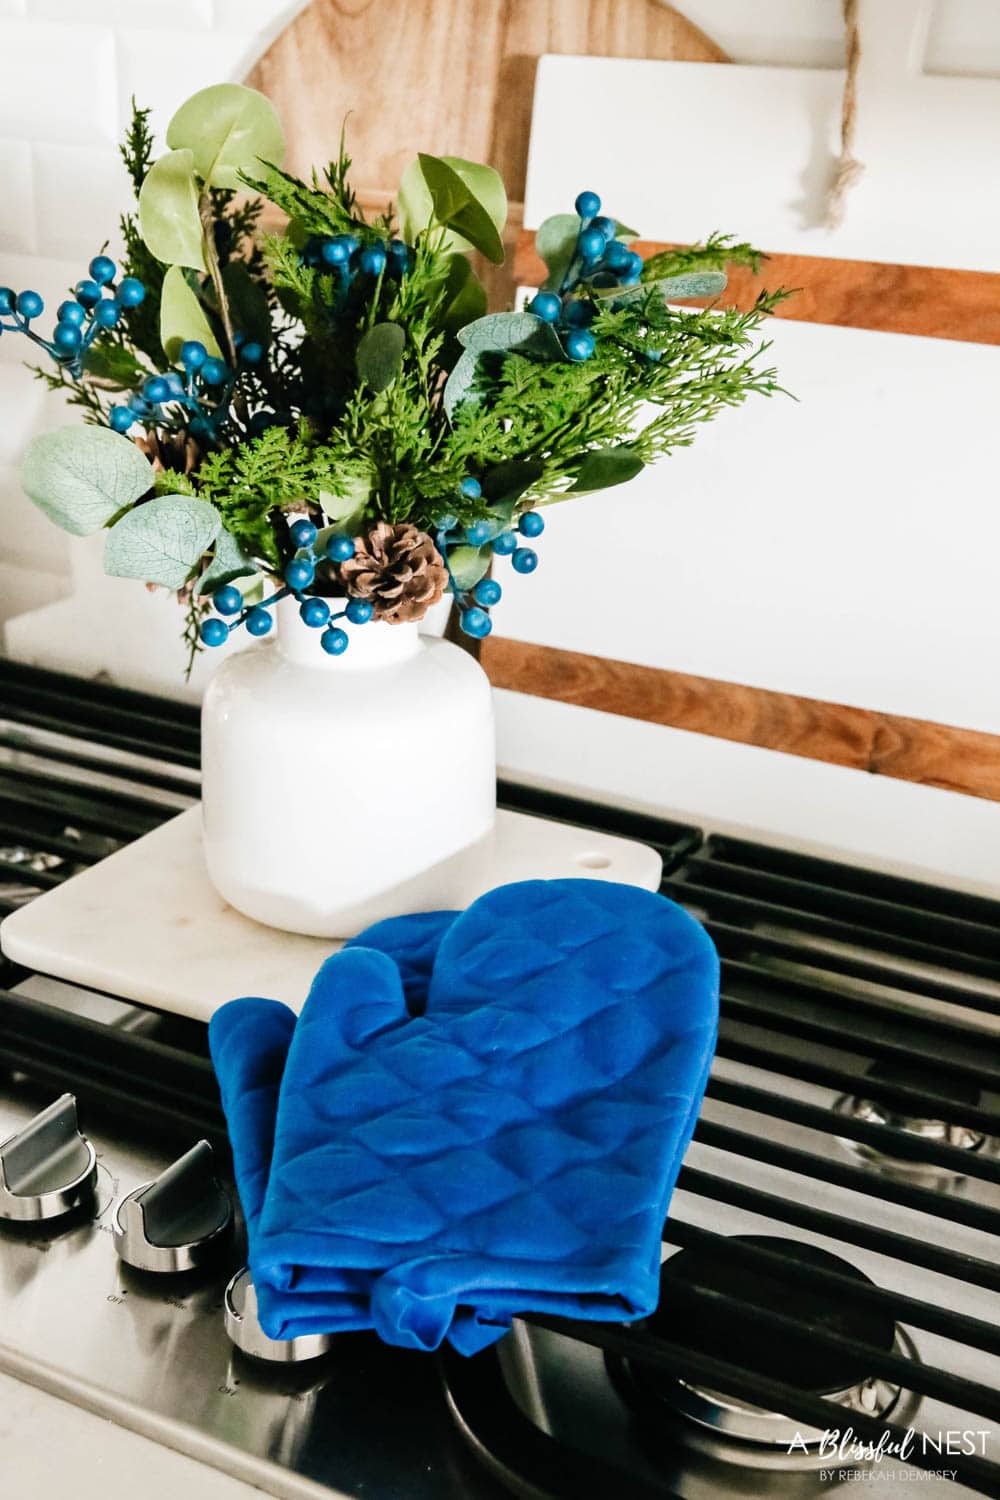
column 177, row 1222
column 246, row 1333
column 47, row 1168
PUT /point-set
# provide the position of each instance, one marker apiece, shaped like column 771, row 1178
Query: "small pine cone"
column 176, row 451
column 398, row 570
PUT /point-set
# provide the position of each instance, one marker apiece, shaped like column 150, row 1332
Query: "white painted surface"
column 841, row 546
column 172, row 942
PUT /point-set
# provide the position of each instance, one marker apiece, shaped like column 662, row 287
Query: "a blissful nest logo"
column 849, row 1456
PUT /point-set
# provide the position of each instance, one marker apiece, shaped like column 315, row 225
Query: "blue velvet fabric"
column 479, row 1115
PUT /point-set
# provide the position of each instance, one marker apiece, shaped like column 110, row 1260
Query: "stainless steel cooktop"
column 150, row 1351
column 831, row 1281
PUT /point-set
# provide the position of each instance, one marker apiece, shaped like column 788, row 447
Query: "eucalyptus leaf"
column 505, row 483
column 485, row 184
column 182, row 317
column 512, row 332
column 604, row 467
column 457, row 206
column 469, row 564
column 672, row 289
column 345, row 508
column 161, row 541
column 168, row 211
column 82, row 476
column 465, row 296
column 380, row 355
column 416, row 206
column 229, row 562
column 230, row 129
column 474, row 224
column 461, row 383
column 556, row 243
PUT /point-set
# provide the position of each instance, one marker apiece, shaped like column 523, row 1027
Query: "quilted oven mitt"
column 249, row 1041
column 511, row 1149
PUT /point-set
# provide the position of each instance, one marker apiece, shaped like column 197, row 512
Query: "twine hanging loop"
column 848, row 168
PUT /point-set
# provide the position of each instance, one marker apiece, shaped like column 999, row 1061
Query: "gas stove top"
column 831, row 1288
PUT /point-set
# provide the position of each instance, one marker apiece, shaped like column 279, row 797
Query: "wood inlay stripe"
column 929, row 300
column 959, row 760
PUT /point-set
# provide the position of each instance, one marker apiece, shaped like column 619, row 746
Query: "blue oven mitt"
column 512, row 1149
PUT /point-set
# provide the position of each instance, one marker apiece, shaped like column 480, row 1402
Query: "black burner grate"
column 839, row 985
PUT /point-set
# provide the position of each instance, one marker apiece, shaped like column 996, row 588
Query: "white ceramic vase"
column 340, row 790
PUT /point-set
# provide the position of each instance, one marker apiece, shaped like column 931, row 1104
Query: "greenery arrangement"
column 331, row 412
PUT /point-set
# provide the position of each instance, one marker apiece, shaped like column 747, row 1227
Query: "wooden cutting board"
column 452, row 77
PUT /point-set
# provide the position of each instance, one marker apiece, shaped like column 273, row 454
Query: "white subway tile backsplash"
column 79, row 194
column 52, row 279
column 964, row 38
column 161, row 69
column 22, row 589
column 180, row 14
column 261, row 19
column 59, row 82
column 794, row 33
column 26, row 535
column 22, row 401
column 17, row 226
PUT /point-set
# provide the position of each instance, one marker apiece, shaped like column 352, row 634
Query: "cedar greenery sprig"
column 716, row 253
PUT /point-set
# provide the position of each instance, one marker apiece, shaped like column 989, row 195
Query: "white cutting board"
column 147, row 925
column 843, row 546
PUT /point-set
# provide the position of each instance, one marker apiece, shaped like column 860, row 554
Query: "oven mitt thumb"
column 249, row 1041
column 514, row 1148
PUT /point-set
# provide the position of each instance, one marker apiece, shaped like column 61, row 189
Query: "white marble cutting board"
column 146, row 925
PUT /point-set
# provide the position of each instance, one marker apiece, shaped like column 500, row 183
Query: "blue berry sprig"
column 300, row 574
column 97, row 304
column 344, row 256
column 599, row 261
column 474, row 604
column 202, row 391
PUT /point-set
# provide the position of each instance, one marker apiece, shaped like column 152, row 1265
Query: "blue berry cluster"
column 202, row 391
column 599, row 261
column 345, row 255
column 299, row 575
column 475, row 603
column 97, row 304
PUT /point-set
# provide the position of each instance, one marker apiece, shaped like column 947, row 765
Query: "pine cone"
column 398, row 570
column 176, row 451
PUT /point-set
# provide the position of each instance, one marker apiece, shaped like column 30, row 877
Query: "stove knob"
column 246, row 1333
column 177, row 1222
column 47, row 1168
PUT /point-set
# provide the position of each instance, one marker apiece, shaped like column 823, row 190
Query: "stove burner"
column 940, row 1132
column 725, row 1332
